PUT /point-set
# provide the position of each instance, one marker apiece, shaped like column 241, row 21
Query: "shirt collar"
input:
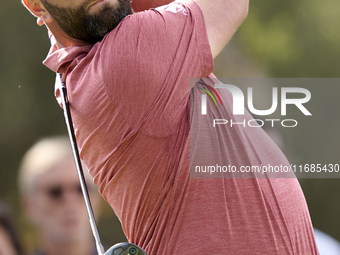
column 59, row 59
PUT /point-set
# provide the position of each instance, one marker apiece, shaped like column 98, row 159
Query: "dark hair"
column 7, row 224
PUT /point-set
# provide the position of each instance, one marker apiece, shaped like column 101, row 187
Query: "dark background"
column 278, row 39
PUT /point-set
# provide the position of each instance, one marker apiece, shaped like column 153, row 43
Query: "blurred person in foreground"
column 10, row 243
column 51, row 194
column 128, row 79
column 327, row 244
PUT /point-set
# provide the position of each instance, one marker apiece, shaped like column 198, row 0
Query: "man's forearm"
column 222, row 18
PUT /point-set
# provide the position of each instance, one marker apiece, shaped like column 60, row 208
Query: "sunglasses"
column 59, row 191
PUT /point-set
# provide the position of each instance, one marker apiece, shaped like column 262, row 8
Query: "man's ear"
column 38, row 10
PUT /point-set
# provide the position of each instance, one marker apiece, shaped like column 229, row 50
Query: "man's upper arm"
column 222, row 18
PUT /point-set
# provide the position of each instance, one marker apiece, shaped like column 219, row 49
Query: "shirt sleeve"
column 149, row 60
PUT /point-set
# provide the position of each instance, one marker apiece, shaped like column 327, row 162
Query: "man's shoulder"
column 169, row 18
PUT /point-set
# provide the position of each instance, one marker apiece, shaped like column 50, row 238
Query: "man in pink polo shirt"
column 128, row 80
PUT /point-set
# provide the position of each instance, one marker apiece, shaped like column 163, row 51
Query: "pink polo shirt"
column 130, row 103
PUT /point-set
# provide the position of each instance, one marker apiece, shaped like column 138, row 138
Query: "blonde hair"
column 40, row 158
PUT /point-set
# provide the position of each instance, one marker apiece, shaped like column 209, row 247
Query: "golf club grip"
column 69, row 125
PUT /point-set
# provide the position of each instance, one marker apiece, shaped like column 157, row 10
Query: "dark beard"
column 78, row 24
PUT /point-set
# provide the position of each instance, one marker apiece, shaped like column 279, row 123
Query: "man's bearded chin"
column 80, row 25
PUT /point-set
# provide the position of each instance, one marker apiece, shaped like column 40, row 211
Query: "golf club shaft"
column 69, row 124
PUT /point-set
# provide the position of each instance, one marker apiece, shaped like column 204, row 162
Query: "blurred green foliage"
column 287, row 38
column 294, row 38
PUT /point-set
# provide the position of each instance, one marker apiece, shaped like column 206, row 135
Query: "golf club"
column 120, row 248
